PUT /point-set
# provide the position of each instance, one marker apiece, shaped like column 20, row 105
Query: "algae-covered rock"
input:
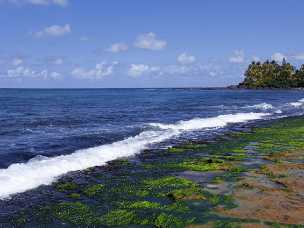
column 66, row 186
column 168, row 221
column 93, row 190
column 119, row 217
column 75, row 213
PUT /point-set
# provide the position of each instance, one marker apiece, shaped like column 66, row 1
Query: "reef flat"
column 251, row 178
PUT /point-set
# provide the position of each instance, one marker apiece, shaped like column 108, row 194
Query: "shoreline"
column 149, row 181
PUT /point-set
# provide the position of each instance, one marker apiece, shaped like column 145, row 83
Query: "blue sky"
column 136, row 43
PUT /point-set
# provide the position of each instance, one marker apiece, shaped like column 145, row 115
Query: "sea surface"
column 45, row 134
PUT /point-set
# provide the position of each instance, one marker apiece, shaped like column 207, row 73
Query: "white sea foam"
column 212, row 122
column 278, row 111
column 263, row 106
column 298, row 103
column 41, row 170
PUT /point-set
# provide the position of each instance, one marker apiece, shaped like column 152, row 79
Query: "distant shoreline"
column 231, row 87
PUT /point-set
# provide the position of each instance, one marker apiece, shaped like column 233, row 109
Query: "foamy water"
column 262, row 106
column 41, row 170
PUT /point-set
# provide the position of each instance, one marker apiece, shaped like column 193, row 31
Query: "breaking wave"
column 262, row 106
column 42, row 170
column 298, row 103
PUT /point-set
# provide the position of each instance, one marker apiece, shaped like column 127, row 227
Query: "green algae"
column 167, row 221
column 74, row 196
column 176, row 150
column 66, row 186
column 200, row 165
column 187, row 148
column 168, row 181
column 217, row 180
column 179, row 206
column 265, row 170
column 93, row 190
column 226, row 201
column 193, row 193
column 76, row 213
column 196, row 164
column 141, row 205
column 226, row 224
column 118, row 218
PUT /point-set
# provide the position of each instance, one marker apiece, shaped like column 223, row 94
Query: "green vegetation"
column 168, row 221
column 169, row 181
column 66, row 186
column 273, row 75
column 93, row 190
column 119, row 217
column 200, row 165
column 74, row 196
column 193, row 193
column 187, row 147
column 75, row 213
column 140, row 205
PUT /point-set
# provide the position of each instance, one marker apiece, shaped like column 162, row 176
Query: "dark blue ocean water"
column 54, row 122
column 45, row 134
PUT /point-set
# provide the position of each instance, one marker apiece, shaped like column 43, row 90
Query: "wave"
column 297, row 104
column 212, row 122
column 42, row 170
column 263, row 106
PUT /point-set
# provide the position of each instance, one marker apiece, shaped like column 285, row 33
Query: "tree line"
column 271, row 74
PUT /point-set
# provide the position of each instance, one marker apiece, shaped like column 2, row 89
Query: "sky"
column 136, row 43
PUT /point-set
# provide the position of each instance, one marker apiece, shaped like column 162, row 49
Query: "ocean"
column 45, row 134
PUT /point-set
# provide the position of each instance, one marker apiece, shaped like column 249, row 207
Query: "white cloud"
column 149, row 41
column 177, row 69
column 58, row 61
column 20, row 71
column 136, row 70
column 55, row 75
column 185, row 59
column 238, row 57
column 27, row 72
column 299, row 56
column 37, row 2
column 99, row 71
column 197, row 69
column 54, row 31
column 17, row 61
column 278, row 57
column 118, row 47
column 256, row 59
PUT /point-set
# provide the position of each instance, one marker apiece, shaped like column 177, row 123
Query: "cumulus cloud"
column 185, row 59
column 197, row 69
column 118, row 47
column 22, row 72
column 278, row 57
column 99, row 71
column 54, row 31
column 37, row 2
column 149, row 41
column 17, row 61
column 238, row 57
column 136, row 70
